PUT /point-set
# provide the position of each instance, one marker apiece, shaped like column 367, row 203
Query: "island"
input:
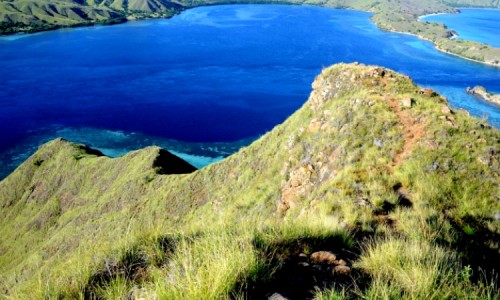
column 482, row 93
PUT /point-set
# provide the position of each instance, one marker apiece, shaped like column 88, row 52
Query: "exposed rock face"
column 299, row 184
column 428, row 92
column 451, row 34
column 326, row 88
column 315, row 165
column 406, row 102
column 482, row 93
column 445, row 110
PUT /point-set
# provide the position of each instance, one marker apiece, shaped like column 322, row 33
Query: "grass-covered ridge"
column 402, row 189
column 399, row 16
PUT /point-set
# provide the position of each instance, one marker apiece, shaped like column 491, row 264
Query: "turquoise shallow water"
column 203, row 83
column 480, row 25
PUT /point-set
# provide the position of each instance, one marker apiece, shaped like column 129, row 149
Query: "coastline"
column 453, row 37
column 388, row 30
column 444, row 51
column 437, row 14
column 458, row 10
column 178, row 11
column 466, row 58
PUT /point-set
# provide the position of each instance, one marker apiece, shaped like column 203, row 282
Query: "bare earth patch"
column 413, row 130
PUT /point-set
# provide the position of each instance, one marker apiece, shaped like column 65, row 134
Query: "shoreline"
column 466, row 58
column 453, row 37
column 458, row 10
column 444, row 51
column 419, row 19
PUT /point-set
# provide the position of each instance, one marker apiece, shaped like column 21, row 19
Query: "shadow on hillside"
column 292, row 271
column 167, row 163
column 132, row 266
column 478, row 246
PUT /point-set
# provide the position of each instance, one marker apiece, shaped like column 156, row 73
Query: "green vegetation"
column 399, row 16
column 381, row 173
column 403, row 17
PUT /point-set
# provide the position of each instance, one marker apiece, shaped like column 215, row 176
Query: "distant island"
column 398, row 16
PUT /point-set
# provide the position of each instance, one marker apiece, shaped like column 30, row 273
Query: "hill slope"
column 372, row 168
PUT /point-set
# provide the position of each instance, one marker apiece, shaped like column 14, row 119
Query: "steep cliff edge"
column 382, row 173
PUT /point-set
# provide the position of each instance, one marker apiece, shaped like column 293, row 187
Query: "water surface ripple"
column 209, row 76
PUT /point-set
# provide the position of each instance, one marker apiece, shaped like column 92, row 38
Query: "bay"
column 480, row 25
column 202, row 83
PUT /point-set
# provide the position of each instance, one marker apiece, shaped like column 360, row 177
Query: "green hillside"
column 472, row 3
column 403, row 190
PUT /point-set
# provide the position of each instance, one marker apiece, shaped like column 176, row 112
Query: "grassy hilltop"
column 404, row 191
column 400, row 16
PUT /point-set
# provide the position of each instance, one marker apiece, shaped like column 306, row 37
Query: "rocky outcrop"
column 482, row 93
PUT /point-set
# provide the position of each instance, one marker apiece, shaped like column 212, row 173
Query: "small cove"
column 480, row 25
column 203, row 83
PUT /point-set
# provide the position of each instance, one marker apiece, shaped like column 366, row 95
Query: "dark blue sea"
column 480, row 25
column 203, row 83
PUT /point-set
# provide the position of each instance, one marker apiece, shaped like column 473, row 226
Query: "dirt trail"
column 413, row 130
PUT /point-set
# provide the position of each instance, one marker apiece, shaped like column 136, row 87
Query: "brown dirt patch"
column 413, row 130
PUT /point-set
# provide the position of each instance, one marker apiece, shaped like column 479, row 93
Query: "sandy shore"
column 444, row 51
column 437, row 14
